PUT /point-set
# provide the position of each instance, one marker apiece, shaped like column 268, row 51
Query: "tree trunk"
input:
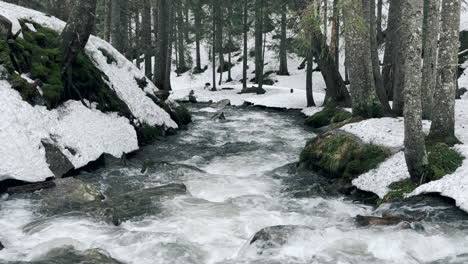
column 380, row 34
column 398, row 62
column 182, row 65
column 379, row 86
column 213, row 8
column 231, row 44
column 309, row 79
column 431, row 37
column 245, row 55
column 443, row 115
column 391, row 45
column 219, row 33
column 258, row 41
column 415, row 148
column 283, row 53
column 146, row 37
column 163, row 59
column 362, row 84
column 337, row 94
column 335, row 40
column 74, row 37
column 198, row 31
column 107, row 20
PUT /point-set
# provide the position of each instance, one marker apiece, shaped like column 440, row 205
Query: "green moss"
column 373, row 109
column 179, row 113
column 327, row 116
column 398, row 190
column 148, row 134
column 342, row 155
column 39, row 54
column 442, row 161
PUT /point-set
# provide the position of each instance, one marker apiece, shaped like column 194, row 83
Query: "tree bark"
column 259, row 42
column 443, row 115
column 362, row 84
column 198, row 31
column 391, row 45
column 245, row 55
column 146, row 37
column 309, row 79
column 163, row 59
column 214, row 26
column 335, row 40
column 182, row 65
column 431, row 37
column 379, row 85
column 283, row 53
column 415, row 148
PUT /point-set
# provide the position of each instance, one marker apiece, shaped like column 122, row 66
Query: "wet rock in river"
column 219, row 116
column 387, row 219
column 1, row 246
column 275, row 236
column 223, row 103
column 68, row 195
column 71, row 255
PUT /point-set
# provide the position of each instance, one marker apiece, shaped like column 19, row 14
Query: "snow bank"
column 121, row 73
column 377, row 180
column 88, row 133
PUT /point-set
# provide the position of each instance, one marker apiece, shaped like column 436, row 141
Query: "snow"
column 377, row 180
column 89, row 132
column 387, row 132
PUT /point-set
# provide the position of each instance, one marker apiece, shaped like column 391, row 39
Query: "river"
column 240, row 177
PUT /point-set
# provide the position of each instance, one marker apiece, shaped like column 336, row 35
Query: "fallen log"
column 29, row 188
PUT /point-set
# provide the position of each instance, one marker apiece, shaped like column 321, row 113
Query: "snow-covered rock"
column 82, row 134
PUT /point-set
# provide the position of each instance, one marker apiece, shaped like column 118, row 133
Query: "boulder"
column 5, row 27
column 59, row 164
column 253, row 90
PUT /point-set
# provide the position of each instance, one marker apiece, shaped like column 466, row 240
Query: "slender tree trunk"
column 398, row 62
column 198, row 30
column 258, row 41
column 107, row 20
column 380, row 34
column 379, row 86
column 415, row 149
column 155, row 46
column 443, row 115
column 335, row 41
column 182, row 67
column 283, row 53
column 138, row 36
column 362, row 82
column 172, row 36
column 219, row 33
column 74, row 37
column 325, row 20
column 391, row 46
column 214, row 3
column 146, row 37
column 309, row 79
column 245, row 55
column 431, row 37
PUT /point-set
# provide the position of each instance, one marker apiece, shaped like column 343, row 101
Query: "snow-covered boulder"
column 73, row 133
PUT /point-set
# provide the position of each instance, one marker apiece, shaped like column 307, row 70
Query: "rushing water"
column 236, row 172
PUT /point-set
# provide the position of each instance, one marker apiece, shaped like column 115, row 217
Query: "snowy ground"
column 87, row 132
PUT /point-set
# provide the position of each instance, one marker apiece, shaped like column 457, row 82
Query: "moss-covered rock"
column 342, row 155
column 147, row 134
column 179, row 113
column 328, row 116
column 39, row 55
